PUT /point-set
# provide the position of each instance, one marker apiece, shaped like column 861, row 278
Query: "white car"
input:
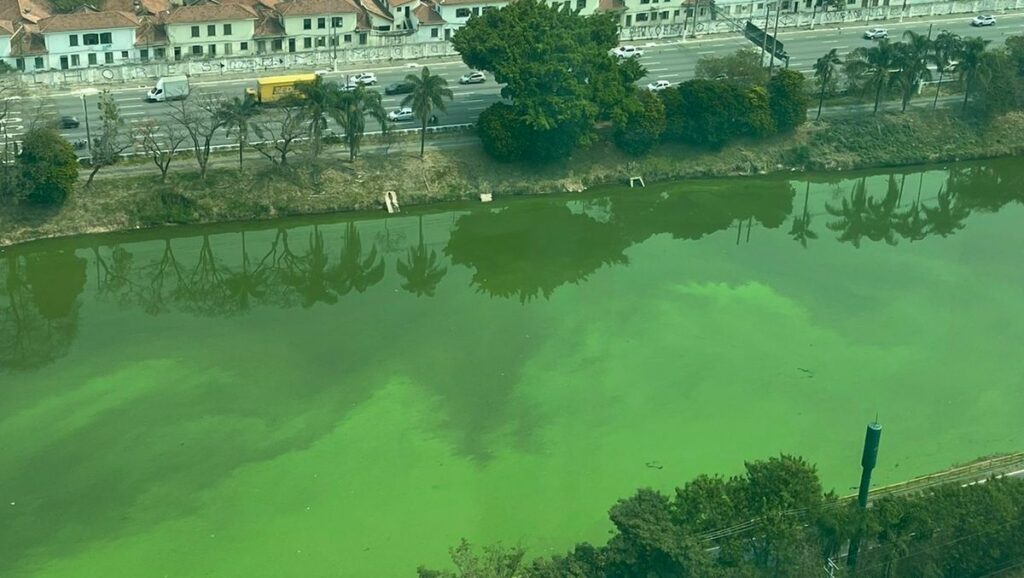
column 474, row 77
column 876, row 33
column 984, row 20
column 658, row 85
column 401, row 115
column 363, row 78
column 626, row 51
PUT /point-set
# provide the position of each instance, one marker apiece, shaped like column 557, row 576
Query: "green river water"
column 349, row 396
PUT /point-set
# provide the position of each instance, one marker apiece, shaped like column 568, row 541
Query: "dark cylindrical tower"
column 868, row 461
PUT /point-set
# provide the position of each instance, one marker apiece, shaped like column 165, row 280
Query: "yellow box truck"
column 272, row 89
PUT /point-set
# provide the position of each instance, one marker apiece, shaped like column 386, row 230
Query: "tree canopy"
column 47, row 167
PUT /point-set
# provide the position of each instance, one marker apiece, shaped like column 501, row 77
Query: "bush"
column 787, row 97
column 642, row 126
column 707, row 112
column 501, row 133
column 759, row 114
column 47, row 167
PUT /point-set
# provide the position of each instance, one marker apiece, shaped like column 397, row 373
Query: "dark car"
column 399, row 88
column 67, row 122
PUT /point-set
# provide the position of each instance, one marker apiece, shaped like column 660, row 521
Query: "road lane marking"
column 656, row 69
column 707, row 52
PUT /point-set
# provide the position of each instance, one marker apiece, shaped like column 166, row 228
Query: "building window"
column 277, row 45
column 20, row 64
column 90, row 39
column 307, row 24
column 464, row 12
column 73, row 40
column 195, row 32
column 362, row 38
column 243, row 46
column 336, row 21
column 227, row 30
column 348, row 38
column 307, row 42
column 211, row 50
column 321, row 23
column 160, row 53
column 75, row 60
column 105, row 38
column 487, row 8
column 144, row 54
column 124, row 54
column 321, row 41
column 642, row 17
column 197, row 50
column 38, row 62
column 211, row 30
column 92, row 59
column 433, row 32
column 476, row 11
column 108, row 57
column 581, row 4
column 675, row 13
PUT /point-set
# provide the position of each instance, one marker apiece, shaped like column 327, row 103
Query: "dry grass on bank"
column 261, row 192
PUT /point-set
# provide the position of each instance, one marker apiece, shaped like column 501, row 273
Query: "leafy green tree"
column 556, row 71
column 501, row 133
column 643, row 125
column 1015, row 49
column 47, row 167
column 429, row 92
column 758, row 118
column 875, row 64
column 787, row 97
column 713, row 113
column 236, row 115
column 743, row 67
column 495, row 562
column 946, row 49
column 1001, row 89
column 971, row 66
column 824, row 75
column 914, row 55
column 353, row 106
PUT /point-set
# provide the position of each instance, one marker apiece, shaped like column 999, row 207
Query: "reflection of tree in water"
column 862, row 216
column 801, row 229
column 39, row 307
column 947, row 216
column 309, row 276
column 987, row 188
column 421, row 268
column 534, row 249
column 354, row 271
column 248, row 283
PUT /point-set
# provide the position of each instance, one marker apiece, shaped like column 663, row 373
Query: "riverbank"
column 123, row 198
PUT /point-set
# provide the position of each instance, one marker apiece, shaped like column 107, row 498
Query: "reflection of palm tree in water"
column 421, row 268
column 861, row 216
column 801, row 229
column 353, row 271
column 313, row 283
column 911, row 224
column 946, row 218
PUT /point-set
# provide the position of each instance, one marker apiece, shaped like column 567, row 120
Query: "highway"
column 674, row 61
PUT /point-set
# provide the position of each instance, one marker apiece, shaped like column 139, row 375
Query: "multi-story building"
column 86, row 38
column 320, row 24
column 210, row 30
column 7, row 31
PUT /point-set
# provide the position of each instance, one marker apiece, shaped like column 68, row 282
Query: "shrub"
column 47, row 167
column 787, row 97
column 501, row 133
column 642, row 125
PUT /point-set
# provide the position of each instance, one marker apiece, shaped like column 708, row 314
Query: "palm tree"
column 946, row 49
column 972, row 64
column 319, row 102
column 429, row 94
column 420, row 269
column 877, row 62
column 824, row 73
column 235, row 115
column 353, row 106
column 914, row 56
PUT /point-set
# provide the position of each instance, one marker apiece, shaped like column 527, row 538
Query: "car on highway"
column 626, row 51
column 983, row 20
column 475, row 77
column 66, row 122
column 363, row 78
column 403, row 114
column 876, row 33
column 399, row 88
column 658, row 85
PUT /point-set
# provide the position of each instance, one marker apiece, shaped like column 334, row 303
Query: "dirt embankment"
column 129, row 197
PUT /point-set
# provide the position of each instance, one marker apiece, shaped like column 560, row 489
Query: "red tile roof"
column 150, row 33
column 316, row 7
column 6, row 28
column 27, row 43
column 151, row 7
column 24, row 10
column 87, row 21
column 202, row 13
column 606, row 5
column 268, row 26
column 375, row 9
column 427, row 15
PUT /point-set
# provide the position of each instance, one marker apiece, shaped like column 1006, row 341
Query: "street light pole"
column 88, row 133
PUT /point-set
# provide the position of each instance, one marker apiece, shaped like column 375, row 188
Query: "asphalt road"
column 674, row 61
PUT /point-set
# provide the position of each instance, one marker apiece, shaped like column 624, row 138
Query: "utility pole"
column 775, row 40
column 88, row 133
column 764, row 31
column 867, row 461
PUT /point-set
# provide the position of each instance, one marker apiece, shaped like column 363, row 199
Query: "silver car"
column 876, row 33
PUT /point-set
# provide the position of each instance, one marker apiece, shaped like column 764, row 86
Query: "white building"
column 86, row 38
column 210, row 30
column 7, row 30
column 320, row 25
column 455, row 13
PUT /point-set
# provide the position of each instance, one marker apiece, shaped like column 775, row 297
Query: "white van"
column 169, row 88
